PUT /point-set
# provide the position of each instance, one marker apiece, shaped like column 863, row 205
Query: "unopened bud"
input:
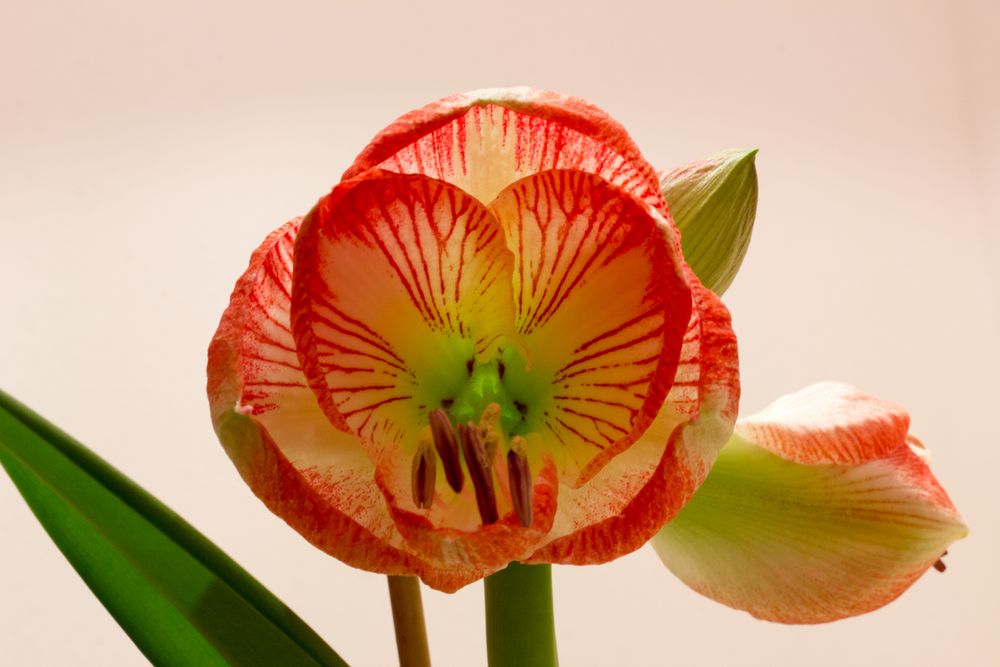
column 714, row 203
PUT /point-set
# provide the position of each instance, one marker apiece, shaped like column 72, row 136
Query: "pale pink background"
column 145, row 149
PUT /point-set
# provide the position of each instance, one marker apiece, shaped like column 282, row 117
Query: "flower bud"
column 714, row 202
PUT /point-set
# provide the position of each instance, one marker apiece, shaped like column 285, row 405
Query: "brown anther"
column 423, row 474
column 481, row 472
column 519, row 474
column 939, row 564
column 447, row 448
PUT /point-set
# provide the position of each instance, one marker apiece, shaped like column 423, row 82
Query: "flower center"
column 485, row 415
column 484, row 387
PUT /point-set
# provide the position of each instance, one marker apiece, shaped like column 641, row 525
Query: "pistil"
column 489, row 430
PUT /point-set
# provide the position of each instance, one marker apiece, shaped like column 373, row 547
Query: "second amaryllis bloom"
column 820, row 507
column 484, row 345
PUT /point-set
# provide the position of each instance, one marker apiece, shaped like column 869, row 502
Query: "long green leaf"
column 178, row 596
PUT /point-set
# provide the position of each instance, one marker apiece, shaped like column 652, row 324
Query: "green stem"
column 520, row 629
column 408, row 617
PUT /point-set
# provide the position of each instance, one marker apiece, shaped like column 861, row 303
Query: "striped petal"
column 810, row 543
column 402, row 287
column 400, row 282
column 829, row 422
column 485, row 140
column 629, row 500
column 601, row 306
column 314, row 476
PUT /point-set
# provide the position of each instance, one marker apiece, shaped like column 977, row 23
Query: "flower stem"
column 408, row 617
column 520, row 629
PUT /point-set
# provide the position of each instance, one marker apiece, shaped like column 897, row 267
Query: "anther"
column 939, row 564
column 447, row 448
column 423, row 473
column 481, row 472
column 519, row 474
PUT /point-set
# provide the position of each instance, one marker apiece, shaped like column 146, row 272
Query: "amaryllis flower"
column 482, row 346
column 820, row 507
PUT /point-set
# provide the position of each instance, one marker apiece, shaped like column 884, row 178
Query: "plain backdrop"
column 147, row 148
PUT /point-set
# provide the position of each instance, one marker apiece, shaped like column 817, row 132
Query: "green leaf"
column 178, row 596
column 714, row 203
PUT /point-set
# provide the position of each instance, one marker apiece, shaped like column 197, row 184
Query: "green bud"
column 714, row 202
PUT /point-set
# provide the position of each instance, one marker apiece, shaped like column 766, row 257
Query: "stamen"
column 447, row 448
column 423, row 473
column 481, row 472
column 519, row 474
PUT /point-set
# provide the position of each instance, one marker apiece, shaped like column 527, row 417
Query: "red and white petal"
column 601, row 305
column 400, row 281
column 629, row 500
column 829, row 422
column 485, row 140
column 798, row 543
column 314, row 476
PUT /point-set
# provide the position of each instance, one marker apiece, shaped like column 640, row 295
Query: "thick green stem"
column 408, row 617
column 520, row 628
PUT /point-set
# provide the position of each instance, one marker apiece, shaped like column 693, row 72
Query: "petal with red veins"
column 829, row 422
column 402, row 282
column 810, row 543
column 629, row 500
column 601, row 306
column 485, row 140
column 314, row 476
